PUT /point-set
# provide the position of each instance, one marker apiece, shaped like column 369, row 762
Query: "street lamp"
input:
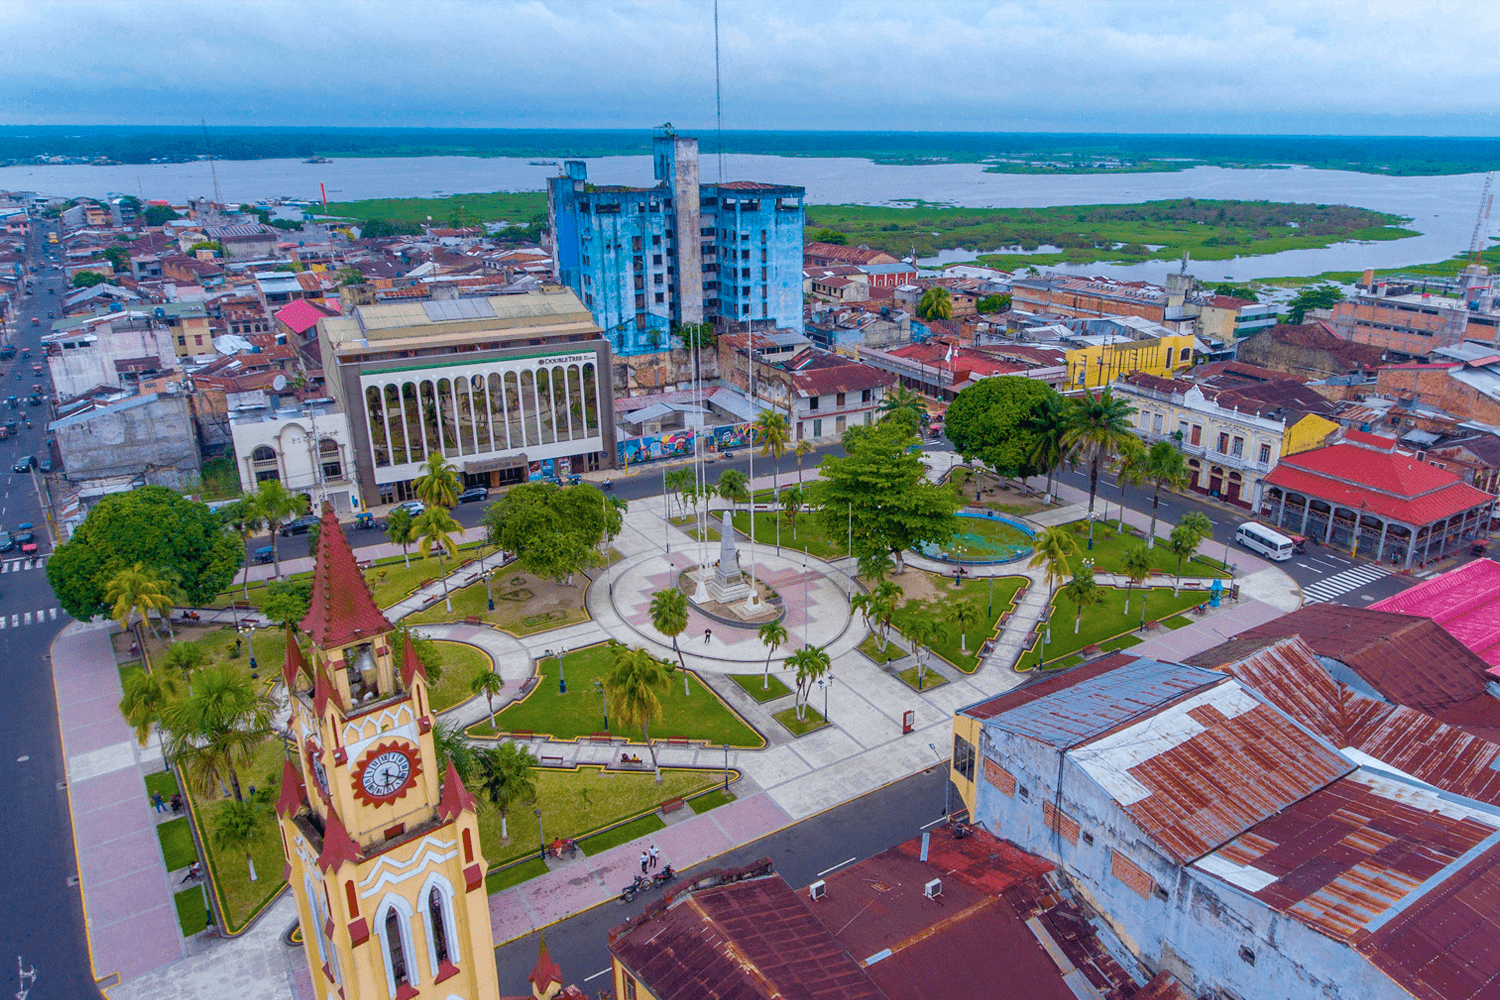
column 490, row 597
column 540, row 836
column 726, row 768
column 947, row 782
column 246, row 631
column 603, row 701
column 826, row 688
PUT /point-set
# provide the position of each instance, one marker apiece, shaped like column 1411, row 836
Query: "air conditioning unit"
column 933, row 889
column 818, row 889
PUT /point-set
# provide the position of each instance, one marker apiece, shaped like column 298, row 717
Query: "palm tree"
column 275, row 503
column 438, row 485
column 436, row 527
column 679, row 482
column 791, row 505
column 452, row 747
column 244, row 519
column 185, row 657
column 733, row 486
column 1082, row 592
column 884, row 600
column 1164, row 467
column 217, row 727
column 803, row 449
column 906, row 406
column 935, row 303
column 773, row 634
column 1047, row 425
column 137, row 591
column 1137, row 566
column 1185, row 539
column 1098, row 428
column 775, row 435
column 237, row 826
column 920, row 631
column 962, row 615
column 810, row 663
column 398, row 530
column 630, row 688
column 488, row 683
column 1051, row 549
column 506, row 778
column 146, row 697
column 669, row 616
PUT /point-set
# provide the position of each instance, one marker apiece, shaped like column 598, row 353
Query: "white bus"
column 1259, row 538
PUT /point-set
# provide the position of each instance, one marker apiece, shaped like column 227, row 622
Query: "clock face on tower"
column 386, row 772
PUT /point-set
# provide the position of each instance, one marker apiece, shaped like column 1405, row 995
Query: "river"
column 1441, row 208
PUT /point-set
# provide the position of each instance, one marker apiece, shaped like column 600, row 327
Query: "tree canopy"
column 155, row 526
column 157, row 215
column 88, row 279
column 1313, row 297
column 992, row 420
column 833, row 236
column 554, row 531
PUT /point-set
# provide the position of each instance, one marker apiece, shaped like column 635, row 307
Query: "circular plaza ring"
column 983, row 539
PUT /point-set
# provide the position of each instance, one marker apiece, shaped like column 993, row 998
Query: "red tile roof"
column 293, row 664
column 1385, row 484
column 341, row 608
column 338, row 846
column 545, row 973
column 292, row 793
column 455, row 798
column 301, row 315
column 410, row 665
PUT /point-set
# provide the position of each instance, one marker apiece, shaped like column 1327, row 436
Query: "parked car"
column 299, row 526
column 46, row 465
column 25, row 535
column 473, row 493
column 415, row 508
column 7, row 543
column 24, row 463
column 10, row 424
column 263, row 554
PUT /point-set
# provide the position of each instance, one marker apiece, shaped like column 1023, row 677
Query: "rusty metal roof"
column 1347, row 855
column 1197, row 773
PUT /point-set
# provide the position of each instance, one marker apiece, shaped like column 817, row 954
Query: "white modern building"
column 307, row 446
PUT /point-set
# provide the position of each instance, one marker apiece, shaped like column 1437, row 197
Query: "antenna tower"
column 719, row 93
column 218, row 195
column 1485, row 201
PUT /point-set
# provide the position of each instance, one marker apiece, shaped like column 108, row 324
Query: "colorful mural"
column 677, row 444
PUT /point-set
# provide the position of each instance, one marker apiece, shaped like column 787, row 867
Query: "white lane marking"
column 841, row 864
column 597, row 974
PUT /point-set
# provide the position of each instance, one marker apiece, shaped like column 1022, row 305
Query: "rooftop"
column 1464, row 601
column 1386, row 484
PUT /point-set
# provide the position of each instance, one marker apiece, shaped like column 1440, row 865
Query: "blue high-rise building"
column 645, row 261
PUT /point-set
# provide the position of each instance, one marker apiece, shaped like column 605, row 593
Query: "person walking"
column 158, row 802
column 645, row 862
column 708, row 634
column 655, row 856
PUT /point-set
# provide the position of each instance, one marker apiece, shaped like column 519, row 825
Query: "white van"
column 1258, row 538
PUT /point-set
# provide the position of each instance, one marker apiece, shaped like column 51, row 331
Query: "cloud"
column 1144, row 67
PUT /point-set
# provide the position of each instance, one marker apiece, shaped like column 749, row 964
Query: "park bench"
column 552, row 762
column 473, row 620
column 522, row 734
column 601, row 738
column 1152, row 626
column 677, row 741
column 672, row 805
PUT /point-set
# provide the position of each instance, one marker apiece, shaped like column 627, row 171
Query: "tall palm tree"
column 1047, row 425
column 631, row 688
column 775, row 436
column 921, row 631
column 237, row 826
column 678, row 482
column 435, row 527
column 803, row 449
column 773, row 634
column 398, row 530
column 216, row 728
column 488, row 683
column 275, row 504
column 1164, row 467
column 1137, row 566
column 669, row 616
column 962, row 615
column 733, row 486
column 906, row 406
column 438, row 484
column 452, row 747
column 243, row 518
column 935, row 303
column 809, row 663
column 1185, row 539
column 146, row 697
column 1098, row 428
column 1051, row 550
column 134, row 591
column 507, row 778
column 884, row 600
column 1082, row 592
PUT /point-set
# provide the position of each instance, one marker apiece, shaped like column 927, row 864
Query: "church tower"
column 382, row 849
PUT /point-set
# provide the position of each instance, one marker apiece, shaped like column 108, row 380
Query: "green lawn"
column 514, row 875
column 751, row 685
column 811, row 722
column 192, row 910
column 515, row 610
column 642, row 827
column 580, row 712
column 1176, row 622
column 810, row 537
column 1110, row 546
column 1106, row 620
column 461, row 664
column 932, row 680
column 239, row 897
column 871, row 648
column 976, row 592
column 711, row 800
column 164, row 782
column 176, row 843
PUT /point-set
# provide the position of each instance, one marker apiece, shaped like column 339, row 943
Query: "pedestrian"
column 655, row 856
column 176, row 803
column 645, row 862
column 708, row 634
column 158, row 802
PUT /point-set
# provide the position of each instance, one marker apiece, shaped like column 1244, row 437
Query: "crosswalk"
column 1342, row 583
column 21, row 565
column 28, row 618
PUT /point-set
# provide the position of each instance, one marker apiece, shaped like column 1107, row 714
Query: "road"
column 846, row 833
column 41, row 914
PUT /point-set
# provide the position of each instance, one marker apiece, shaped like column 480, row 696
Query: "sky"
column 1407, row 68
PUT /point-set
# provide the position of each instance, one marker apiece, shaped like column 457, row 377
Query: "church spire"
column 341, row 609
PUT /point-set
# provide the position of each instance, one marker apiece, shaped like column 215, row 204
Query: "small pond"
column 983, row 538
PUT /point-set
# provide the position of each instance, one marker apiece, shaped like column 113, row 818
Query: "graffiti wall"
column 679, row 444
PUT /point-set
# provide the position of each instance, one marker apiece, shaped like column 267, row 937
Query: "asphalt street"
column 801, row 853
column 41, row 913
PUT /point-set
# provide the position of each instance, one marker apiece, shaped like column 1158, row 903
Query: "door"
column 817, row 428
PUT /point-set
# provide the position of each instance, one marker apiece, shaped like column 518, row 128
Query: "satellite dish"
column 278, row 383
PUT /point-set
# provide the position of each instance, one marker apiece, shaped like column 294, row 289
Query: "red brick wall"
column 1435, row 387
column 1058, row 820
column 1000, row 777
column 1131, row 874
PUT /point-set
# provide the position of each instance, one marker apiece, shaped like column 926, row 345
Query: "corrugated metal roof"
column 1464, row 601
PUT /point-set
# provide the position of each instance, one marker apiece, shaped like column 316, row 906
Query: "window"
column 1265, row 454
column 812, row 404
column 1237, row 448
column 1187, row 354
column 661, row 297
column 745, row 255
column 1088, row 839
column 963, row 758
column 395, row 944
column 762, row 237
column 635, row 244
column 1197, row 434
column 839, row 400
column 838, row 425
column 629, row 987
column 328, row 457
column 656, row 259
column 437, row 922
column 656, row 241
column 1223, row 444
column 864, row 396
column 1156, row 423
column 1246, row 955
column 1168, row 363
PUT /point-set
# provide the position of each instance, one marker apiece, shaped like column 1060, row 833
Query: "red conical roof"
column 546, row 972
column 292, row 793
column 342, row 608
column 410, row 665
column 294, row 663
column 338, row 846
column 455, row 798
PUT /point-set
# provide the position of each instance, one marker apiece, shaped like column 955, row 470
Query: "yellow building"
column 382, row 850
column 1098, row 360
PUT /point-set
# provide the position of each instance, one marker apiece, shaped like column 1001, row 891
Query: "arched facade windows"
column 393, row 926
column 440, row 924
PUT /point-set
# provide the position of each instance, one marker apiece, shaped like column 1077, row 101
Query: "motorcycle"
column 663, row 877
column 641, row 884
column 609, row 485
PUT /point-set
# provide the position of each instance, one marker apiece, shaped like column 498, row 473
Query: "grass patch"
column 1176, row 622
column 176, row 843
column 1123, row 642
column 1106, row 620
column 1110, row 547
column 239, row 897
column 192, row 910
column 710, row 800
column 500, row 206
column 643, row 827
column 810, row 537
column 523, row 608
column 461, row 664
column 932, row 680
column 164, row 782
column 801, row 727
column 514, row 875
column 964, row 656
column 751, row 685
column 871, row 648
column 701, row 716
